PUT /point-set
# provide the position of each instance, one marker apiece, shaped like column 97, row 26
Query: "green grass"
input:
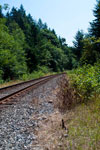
column 84, row 123
column 84, row 127
column 41, row 71
column 86, row 81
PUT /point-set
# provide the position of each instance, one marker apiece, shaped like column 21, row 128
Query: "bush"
column 86, row 81
column 1, row 80
column 41, row 71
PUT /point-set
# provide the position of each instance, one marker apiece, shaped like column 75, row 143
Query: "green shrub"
column 1, row 80
column 41, row 71
column 86, row 81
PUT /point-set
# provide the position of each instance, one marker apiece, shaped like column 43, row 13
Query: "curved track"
column 9, row 94
column 5, row 91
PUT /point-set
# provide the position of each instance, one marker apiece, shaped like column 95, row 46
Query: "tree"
column 4, row 7
column 31, row 32
column 94, row 29
column 12, row 55
column 1, row 14
column 41, row 25
column 78, row 44
column 90, row 54
column 50, row 36
column 39, row 44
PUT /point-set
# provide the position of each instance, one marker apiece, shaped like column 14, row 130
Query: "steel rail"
column 15, row 87
column 18, row 93
column 3, row 88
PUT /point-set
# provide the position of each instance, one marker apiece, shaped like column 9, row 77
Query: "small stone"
column 36, row 142
column 60, row 145
column 46, row 148
column 65, row 135
column 34, row 138
column 50, row 101
column 60, row 137
column 67, row 130
column 44, row 117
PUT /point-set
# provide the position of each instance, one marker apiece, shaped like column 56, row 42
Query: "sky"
column 66, row 17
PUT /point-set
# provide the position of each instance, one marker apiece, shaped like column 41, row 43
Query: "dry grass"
column 9, row 83
column 51, row 132
column 82, row 120
column 83, row 129
column 66, row 97
column 82, row 123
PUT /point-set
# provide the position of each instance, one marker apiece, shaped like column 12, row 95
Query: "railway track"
column 21, row 114
column 9, row 94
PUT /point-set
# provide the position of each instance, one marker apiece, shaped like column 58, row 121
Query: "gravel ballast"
column 18, row 121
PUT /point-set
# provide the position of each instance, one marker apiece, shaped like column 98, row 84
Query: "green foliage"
column 91, row 53
column 1, row 14
column 78, row 44
column 42, row 46
column 25, row 45
column 86, row 81
column 50, row 36
column 41, row 25
column 87, row 47
column 1, row 72
column 12, row 59
column 41, row 71
column 95, row 24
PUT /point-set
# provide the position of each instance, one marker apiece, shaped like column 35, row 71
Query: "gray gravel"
column 10, row 90
column 17, row 123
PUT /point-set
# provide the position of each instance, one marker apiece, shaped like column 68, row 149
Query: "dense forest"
column 30, row 49
column 27, row 45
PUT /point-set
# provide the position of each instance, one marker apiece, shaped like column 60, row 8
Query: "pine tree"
column 1, row 14
column 78, row 44
column 94, row 29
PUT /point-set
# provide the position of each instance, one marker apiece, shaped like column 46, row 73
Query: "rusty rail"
column 8, row 99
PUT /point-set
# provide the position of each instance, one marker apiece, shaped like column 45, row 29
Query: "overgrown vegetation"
column 41, row 71
column 82, row 120
column 86, row 81
column 83, row 123
column 30, row 49
column 27, row 45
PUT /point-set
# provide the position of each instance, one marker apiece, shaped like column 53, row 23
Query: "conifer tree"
column 94, row 29
column 78, row 44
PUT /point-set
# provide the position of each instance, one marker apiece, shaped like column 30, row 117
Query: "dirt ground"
column 51, row 129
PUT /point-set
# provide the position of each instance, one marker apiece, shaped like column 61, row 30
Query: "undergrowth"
column 41, row 71
column 86, row 81
column 84, row 122
column 83, row 125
